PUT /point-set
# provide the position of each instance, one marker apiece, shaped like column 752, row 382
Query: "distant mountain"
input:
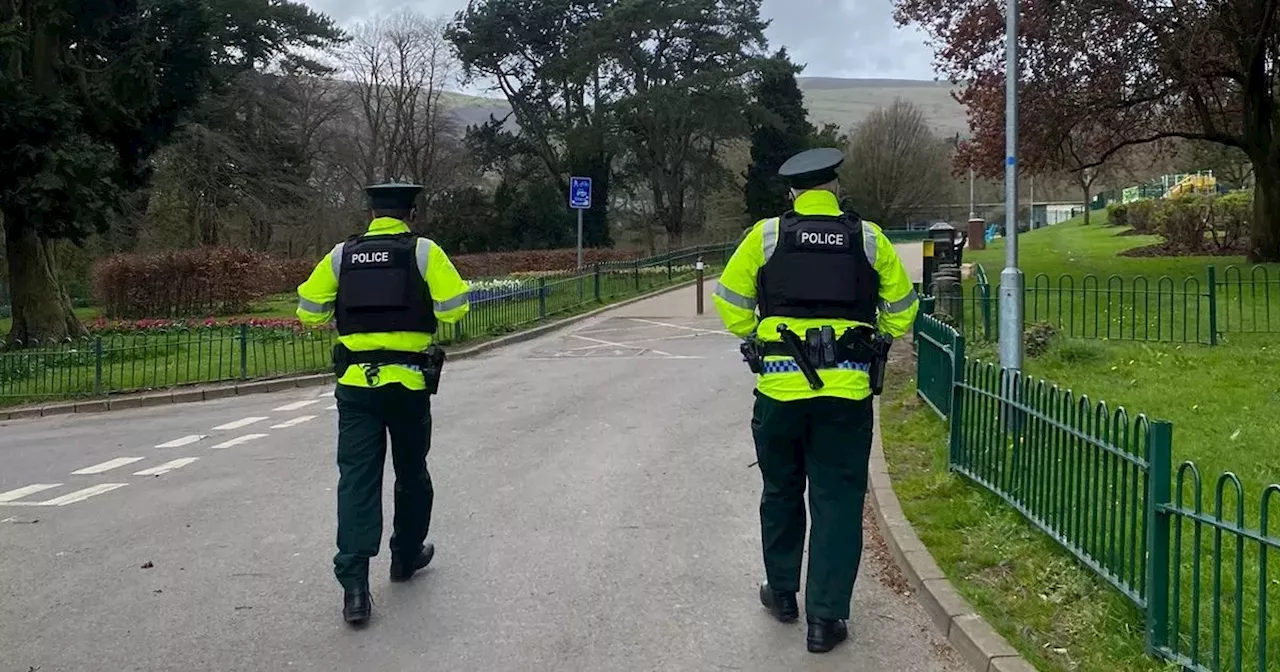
column 845, row 102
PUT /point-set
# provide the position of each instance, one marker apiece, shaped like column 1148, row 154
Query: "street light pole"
column 1011, row 278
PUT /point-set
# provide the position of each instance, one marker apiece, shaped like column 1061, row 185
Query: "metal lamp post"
column 1011, row 278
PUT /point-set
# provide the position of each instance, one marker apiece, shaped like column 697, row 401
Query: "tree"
column 781, row 130
column 1145, row 71
column 400, row 65
column 550, row 70
column 90, row 91
column 685, row 67
column 895, row 163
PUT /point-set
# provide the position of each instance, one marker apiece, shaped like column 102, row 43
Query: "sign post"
column 580, row 199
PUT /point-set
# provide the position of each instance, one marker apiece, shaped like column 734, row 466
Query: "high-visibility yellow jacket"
column 735, row 301
column 449, row 294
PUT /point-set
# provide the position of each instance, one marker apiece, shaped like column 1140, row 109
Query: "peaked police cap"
column 393, row 196
column 812, row 167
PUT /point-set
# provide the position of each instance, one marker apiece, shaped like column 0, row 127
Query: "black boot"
column 826, row 633
column 780, row 603
column 403, row 571
column 357, row 604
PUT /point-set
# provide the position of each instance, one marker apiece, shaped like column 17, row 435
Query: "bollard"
column 926, row 253
column 699, row 267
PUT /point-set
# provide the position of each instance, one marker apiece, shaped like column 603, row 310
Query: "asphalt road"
column 595, row 511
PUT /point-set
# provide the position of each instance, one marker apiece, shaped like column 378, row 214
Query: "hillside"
column 830, row 100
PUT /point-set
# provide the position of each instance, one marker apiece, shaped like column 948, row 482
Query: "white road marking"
column 296, row 421
column 680, row 326
column 297, row 404
column 332, row 407
column 326, row 393
column 166, row 467
column 245, row 422
column 592, row 358
column 6, row 497
column 106, row 466
column 81, row 495
column 184, row 441
column 238, row 441
column 622, row 345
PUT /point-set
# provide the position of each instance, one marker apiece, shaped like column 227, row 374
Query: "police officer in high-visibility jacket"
column 388, row 290
column 818, row 296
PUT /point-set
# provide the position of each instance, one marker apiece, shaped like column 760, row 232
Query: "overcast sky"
column 833, row 38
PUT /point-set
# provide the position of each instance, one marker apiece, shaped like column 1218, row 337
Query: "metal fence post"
column 97, row 366
column 244, row 351
column 636, row 273
column 957, row 396
column 1158, row 496
column 542, row 297
column 597, row 282
column 1213, row 306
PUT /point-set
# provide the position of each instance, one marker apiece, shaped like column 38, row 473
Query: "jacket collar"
column 387, row 225
column 817, row 202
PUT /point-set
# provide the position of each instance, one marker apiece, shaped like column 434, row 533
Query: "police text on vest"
column 370, row 257
column 824, row 238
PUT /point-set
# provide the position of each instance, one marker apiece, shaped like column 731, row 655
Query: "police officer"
column 814, row 267
column 388, row 290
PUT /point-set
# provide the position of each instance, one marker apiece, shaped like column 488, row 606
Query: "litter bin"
column 977, row 234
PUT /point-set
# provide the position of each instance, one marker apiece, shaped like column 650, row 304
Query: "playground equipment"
column 1202, row 182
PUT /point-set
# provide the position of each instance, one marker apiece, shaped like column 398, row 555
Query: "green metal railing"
column 1102, row 484
column 1139, row 308
column 162, row 358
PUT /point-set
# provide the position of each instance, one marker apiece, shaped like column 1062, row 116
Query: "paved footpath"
column 595, row 511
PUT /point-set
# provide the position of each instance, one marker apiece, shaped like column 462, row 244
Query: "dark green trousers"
column 365, row 418
column 826, row 442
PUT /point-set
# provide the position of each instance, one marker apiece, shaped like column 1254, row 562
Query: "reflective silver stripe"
column 869, row 244
column 423, row 249
column 335, row 260
column 770, row 236
column 735, row 298
column 454, row 303
column 901, row 304
column 313, row 307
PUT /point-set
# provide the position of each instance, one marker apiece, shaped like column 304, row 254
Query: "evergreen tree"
column 781, row 130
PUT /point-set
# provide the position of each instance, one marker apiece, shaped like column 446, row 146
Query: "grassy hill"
column 845, row 102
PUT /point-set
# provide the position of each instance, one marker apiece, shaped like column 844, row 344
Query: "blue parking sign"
column 580, row 193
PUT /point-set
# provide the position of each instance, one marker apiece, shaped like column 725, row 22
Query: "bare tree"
column 895, row 163
column 403, row 130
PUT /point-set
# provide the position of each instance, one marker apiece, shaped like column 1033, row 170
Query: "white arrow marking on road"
column 240, row 423
column 296, row 421
column 81, row 495
column 106, row 466
column 297, row 404
column 166, row 467
column 180, row 442
column 237, row 441
column 28, row 490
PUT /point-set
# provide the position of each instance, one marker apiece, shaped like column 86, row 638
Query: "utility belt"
column 430, row 362
column 859, row 348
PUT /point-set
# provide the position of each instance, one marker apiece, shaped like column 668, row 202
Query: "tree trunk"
column 41, row 307
column 1084, row 188
column 1264, row 237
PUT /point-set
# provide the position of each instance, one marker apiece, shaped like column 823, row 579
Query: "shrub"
column 1183, row 221
column 1039, row 337
column 1233, row 214
column 1141, row 215
column 180, row 283
column 1118, row 214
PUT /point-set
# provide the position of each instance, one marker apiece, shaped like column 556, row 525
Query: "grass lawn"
column 148, row 360
column 1117, row 297
column 1056, row 613
column 1221, row 401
